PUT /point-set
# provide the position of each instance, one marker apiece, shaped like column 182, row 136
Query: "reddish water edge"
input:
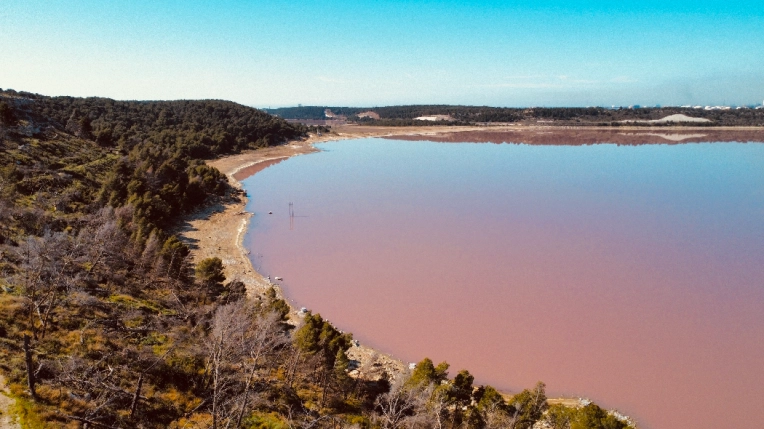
column 629, row 275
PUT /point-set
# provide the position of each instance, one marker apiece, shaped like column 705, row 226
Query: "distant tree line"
column 567, row 116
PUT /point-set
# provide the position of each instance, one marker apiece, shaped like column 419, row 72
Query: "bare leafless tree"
column 528, row 407
column 265, row 336
column 404, row 406
column 94, row 386
column 225, row 349
column 495, row 416
column 241, row 340
column 103, row 240
column 437, row 408
column 47, row 274
column 150, row 254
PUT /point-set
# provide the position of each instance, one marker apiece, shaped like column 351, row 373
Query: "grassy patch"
column 27, row 413
column 139, row 304
column 265, row 421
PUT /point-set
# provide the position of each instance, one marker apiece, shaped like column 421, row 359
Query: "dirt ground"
column 6, row 420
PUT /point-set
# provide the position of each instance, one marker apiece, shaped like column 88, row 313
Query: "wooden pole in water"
column 291, row 215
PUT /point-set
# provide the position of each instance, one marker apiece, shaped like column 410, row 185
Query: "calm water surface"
column 631, row 275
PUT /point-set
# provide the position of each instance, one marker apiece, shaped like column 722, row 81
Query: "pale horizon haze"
column 496, row 53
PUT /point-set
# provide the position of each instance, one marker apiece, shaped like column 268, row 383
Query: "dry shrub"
column 49, row 394
column 194, row 421
column 182, row 402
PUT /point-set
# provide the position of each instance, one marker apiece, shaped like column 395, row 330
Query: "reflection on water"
column 256, row 168
column 628, row 274
column 587, row 136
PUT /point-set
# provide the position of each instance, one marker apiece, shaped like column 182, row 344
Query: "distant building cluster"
column 714, row 107
column 698, row 107
column 761, row 106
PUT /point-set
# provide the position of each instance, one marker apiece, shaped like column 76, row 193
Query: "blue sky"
column 500, row 53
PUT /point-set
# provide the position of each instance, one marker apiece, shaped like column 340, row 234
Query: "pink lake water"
column 630, row 275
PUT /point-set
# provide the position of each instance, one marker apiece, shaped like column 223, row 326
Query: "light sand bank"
column 218, row 230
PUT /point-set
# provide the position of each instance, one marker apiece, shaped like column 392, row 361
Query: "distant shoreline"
column 453, row 115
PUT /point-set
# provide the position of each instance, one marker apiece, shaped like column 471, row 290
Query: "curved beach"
column 219, row 229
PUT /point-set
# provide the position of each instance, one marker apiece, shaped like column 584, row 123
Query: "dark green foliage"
column 121, row 281
column 275, row 304
column 210, row 271
column 593, row 417
column 341, row 367
column 309, row 112
column 426, row 372
column 487, row 397
column 174, row 253
column 199, row 128
column 529, row 406
column 317, row 335
column 589, row 416
column 85, row 127
column 404, row 115
column 158, row 168
column 235, row 290
column 105, row 137
column 461, row 388
column 559, row 416
column 7, row 117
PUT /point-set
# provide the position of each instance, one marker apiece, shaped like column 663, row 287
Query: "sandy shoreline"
column 219, row 230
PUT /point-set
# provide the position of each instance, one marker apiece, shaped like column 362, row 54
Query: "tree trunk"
column 137, row 396
column 324, row 385
column 293, row 369
column 215, row 383
column 247, row 387
column 30, row 371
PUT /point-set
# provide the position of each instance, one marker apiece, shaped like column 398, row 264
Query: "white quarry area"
column 434, row 118
column 671, row 118
column 680, row 118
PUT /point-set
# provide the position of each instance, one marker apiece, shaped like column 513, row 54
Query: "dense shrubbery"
column 199, row 129
column 124, row 333
column 153, row 151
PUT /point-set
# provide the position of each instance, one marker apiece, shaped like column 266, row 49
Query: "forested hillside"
column 104, row 323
